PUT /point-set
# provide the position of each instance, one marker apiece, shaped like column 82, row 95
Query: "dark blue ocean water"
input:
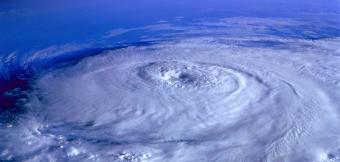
column 35, row 24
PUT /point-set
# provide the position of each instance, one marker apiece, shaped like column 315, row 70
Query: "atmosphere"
column 170, row 81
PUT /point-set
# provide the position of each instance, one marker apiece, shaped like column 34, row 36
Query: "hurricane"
column 235, row 91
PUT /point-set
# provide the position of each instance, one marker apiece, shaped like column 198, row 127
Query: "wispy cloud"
column 9, row 12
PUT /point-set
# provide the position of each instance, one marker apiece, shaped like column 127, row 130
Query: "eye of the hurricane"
column 187, row 75
column 173, row 77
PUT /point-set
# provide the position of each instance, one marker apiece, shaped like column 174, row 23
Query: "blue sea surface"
column 31, row 25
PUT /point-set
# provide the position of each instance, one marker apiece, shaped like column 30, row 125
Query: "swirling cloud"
column 222, row 98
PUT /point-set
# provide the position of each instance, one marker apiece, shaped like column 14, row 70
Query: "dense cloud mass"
column 198, row 98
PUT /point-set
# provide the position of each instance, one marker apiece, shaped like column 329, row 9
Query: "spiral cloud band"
column 189, row 99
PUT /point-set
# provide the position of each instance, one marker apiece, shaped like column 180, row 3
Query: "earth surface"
column 177, row 81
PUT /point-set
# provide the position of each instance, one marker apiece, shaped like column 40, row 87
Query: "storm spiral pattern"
column 188, row 99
